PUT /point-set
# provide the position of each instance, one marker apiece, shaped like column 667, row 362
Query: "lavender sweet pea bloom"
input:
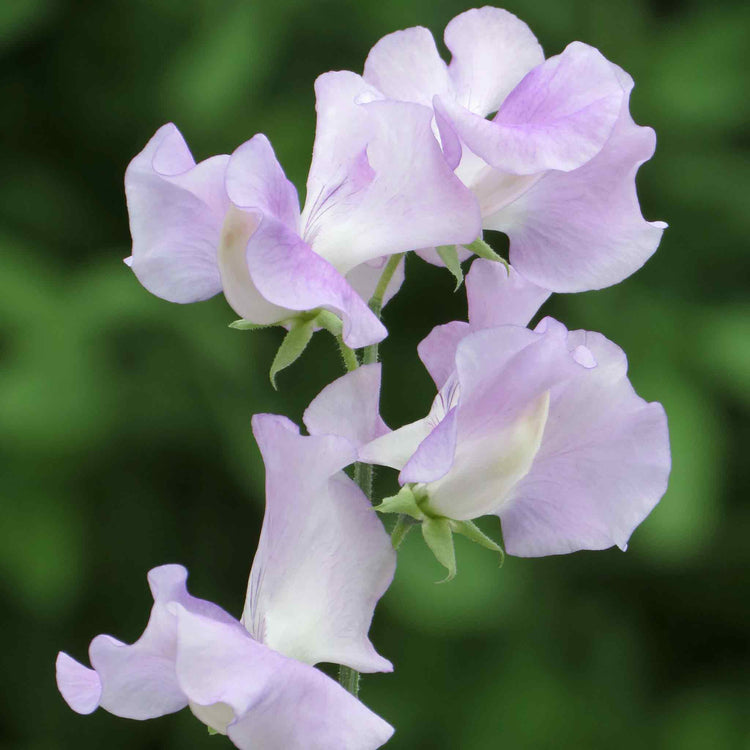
column 322, row 563
column 541, row 428
column 378, row 185
column 554, row 168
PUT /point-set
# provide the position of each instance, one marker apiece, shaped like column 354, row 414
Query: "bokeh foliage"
column 125, row 421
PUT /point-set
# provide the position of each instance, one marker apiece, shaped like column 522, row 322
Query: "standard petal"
column 256, row 181
column 492, row 51
column 498, row 296
column 176, row 211
column 602, row 467
column 79, row 685
column 262, row 699
column 407, row 66
column 349, row 407
column 288, row 274
column 323, row 560
column 438, row 349
column 558, row 117
column 398, row 195
column 581, row 230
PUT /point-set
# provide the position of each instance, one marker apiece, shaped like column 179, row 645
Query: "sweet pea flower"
column 548, row 147
column 322, row 563
column 378, row 186
column 539, row 427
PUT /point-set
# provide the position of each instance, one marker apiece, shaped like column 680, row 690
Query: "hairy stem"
column 363, row 473
column 376, row 302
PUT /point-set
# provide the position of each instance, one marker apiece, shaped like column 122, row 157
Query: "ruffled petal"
column 349, row 407
column 262, row 699
column 438, row 349
column 498, row 296
column 602, row 467
column 558, row 117
column 492, row 51
column 137, row 681
column 407, row 66
column 581, row 230
column 176, row 211
column 79, row 685
column 397, row 195
column 324, row 559
column 255, row 180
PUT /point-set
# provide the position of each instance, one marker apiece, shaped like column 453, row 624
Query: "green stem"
column 363, row 473
column 348, row 355
column 376, row 302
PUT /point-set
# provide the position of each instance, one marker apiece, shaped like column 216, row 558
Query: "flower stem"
column 376, row 302
column 363, row 473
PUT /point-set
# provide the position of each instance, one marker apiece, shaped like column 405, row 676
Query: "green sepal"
column 472, row 532
column 438, row 535
column 404, row 502
column 212, row 731
column 294, row 343
column 449, row 255
column 247, row 325
column 483, row 250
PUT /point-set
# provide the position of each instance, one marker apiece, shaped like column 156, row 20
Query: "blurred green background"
column 125, row 421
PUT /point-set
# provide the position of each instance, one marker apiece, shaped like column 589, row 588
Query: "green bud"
column 449, row 256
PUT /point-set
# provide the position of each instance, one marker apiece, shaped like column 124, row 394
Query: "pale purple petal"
column 324, row 559
column 434, row 456
column 395, row 448
column 288, row 274
column 176, row 211
column 582, row 230
column 492, row 51
column 275, row 703
column 558, row 117
column 407, row 66
column 255, row 180
column 602, row 467
column 438, row 350
column 349, row 407
column 364, row 279
column 499, row 296
column 398, row 195
column 138, row 681
column 79, row 685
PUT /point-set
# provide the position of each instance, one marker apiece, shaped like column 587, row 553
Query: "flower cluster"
column 537, row 426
